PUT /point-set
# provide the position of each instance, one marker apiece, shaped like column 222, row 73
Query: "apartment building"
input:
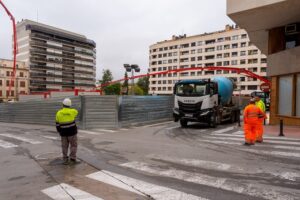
column 229, row 48
column 276, row 32
column 19, row 85
column 57, row 59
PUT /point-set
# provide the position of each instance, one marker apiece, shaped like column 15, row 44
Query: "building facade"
column 229, row 48
column 19, row 86
column 279, row 38
column 57, row 59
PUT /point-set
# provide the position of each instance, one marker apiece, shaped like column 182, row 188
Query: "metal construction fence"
column 95, row 112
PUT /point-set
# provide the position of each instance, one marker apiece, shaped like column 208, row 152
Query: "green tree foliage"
column 137, row 90
column 106, row 76
column 143, row 83
column 114, row 89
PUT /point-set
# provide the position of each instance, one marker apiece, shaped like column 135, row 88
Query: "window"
column 252, row 87
column 243, row 44
column 175, row 54
column 22, row 84
column 199, row 58
column 184, row 74
column 193, row 51
column 243, row 62
column 242, row 79
column 7, row 93
column 7, row 73
column 235, row 37
column 226, row 55
column 226, row 63
column 21, row 74
column 199, row 73
column 199, row 43
column 199, row 50
column 12, row 93
column 160, row 49
column 220, row 39
column 0, row 82
column 263, row 69
column 234, row 46
column 193, row 44
column 234, row 54
column 219, row 55
column 193, row 74
column 253, row 52
column 252, row 61
column 219, row 63
column 234, row 62
column 0, row 93
column 285, row 90
column 166, row 48
column 193, row 58
column 210, row 42
column 243, row 53
column 244, row 36
column 220, row 47
column 243, row 87
column 263, row 60
column 169, row 54
column 227, row 39
column 227, row 46
column 210, row 49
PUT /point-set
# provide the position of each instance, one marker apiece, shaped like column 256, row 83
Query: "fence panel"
column 137, row 110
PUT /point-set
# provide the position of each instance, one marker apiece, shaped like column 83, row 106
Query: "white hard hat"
column 67, row 102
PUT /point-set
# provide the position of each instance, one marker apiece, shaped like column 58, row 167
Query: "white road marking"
column 123, row 129
column 20, row 138
column 274, row 153
column 66, row 192
column 266, row 142
column 140, row 187
column 224, row 130
column 256, row 190
column 238, row 133
column 7, row 145
column 265, row 137
column 90, row 132
column 105, row 130
column 51, row 137
column 197, row 163
column 223, row 167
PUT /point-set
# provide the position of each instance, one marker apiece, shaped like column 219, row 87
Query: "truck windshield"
column 191, row 89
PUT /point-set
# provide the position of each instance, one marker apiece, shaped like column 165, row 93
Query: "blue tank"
column 225, row 89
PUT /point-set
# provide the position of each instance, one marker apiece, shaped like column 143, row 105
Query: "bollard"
column 281, row 128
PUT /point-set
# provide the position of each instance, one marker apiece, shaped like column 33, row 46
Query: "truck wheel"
column 183, row 123
column 213, row 121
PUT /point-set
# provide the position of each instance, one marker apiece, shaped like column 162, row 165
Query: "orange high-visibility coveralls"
column 260, row 129
column 251, row 122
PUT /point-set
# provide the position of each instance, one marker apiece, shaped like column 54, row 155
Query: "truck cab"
column 200, row 101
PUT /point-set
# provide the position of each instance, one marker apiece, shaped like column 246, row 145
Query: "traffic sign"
column 265, row 87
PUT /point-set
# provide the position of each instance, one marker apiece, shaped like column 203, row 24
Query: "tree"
column 143, row 83
column 125, row 84
column 137, row 90
column 106, row 77
column 114, row 89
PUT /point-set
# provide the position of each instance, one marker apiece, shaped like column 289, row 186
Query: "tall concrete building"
column 57, row 59
column 229, row 48
column 276, row 32
column 19, row 85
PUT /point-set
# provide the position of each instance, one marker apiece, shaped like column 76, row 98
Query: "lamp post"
column 132, row 69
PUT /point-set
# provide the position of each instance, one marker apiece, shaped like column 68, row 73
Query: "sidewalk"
column 288, row 131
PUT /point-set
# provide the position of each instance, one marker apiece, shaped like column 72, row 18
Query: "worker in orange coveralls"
column 260, row 129
column 252, row 115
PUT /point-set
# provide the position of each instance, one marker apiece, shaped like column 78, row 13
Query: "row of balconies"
column 63, row 55
column 55, row 39
column 45, row 45
column 72, row 84
column 64, row 70
column 40, row 59
column 72, row 76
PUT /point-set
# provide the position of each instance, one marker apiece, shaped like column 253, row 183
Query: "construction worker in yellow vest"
column 260, row 128
column 66, row 126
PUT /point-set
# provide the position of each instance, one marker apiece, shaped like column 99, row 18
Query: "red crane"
column 13, row 75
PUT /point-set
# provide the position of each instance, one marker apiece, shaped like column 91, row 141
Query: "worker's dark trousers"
column 65, row 143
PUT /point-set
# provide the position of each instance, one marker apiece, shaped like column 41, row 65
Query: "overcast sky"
column 122, row 29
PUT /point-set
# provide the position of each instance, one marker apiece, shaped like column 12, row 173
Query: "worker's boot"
column 65, row 161
column 74, row 161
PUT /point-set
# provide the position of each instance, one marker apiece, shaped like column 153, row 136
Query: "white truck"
column 207, row 101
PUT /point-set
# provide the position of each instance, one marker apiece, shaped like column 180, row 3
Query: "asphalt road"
column 161, row 161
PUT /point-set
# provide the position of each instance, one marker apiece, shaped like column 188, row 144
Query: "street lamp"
column 132, row 69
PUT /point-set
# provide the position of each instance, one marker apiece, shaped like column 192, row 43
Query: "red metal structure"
column 13, row 75
column 237, row 70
